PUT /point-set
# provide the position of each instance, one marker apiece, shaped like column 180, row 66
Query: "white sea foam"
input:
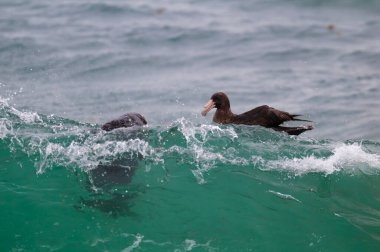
column 135, row 244
column 3, row 101
column 284, row 196
column 87, row 155
column 187, row 245
column 345, row 156
column 193, row 133
column 204, row 158
column 5, row 128
column 5, row 123
column 28, row 117
column 190, row 244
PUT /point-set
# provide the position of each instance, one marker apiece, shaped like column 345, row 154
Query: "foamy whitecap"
column 345, row 156
column 5, row 128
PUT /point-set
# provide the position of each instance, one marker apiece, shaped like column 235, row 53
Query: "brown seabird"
column 263, row 115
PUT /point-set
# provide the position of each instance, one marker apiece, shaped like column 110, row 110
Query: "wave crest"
column 51, row 141
column 349, row 157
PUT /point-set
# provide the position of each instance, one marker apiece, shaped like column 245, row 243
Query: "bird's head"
column 219, row 101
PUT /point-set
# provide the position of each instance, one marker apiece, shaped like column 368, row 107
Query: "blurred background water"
column 66, row 67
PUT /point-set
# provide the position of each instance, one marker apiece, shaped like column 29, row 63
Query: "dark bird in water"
column 264, row 115
column 120, row 170
column 117, row 173
column 125, row 121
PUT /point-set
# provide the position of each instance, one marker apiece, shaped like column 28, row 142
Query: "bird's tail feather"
column 301, row 120
column 293, row 130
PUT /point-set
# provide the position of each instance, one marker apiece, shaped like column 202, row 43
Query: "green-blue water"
column 69, row 66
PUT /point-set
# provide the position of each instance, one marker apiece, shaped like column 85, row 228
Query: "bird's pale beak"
column 210, row 105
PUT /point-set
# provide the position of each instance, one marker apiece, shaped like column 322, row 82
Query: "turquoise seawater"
column 182, row 183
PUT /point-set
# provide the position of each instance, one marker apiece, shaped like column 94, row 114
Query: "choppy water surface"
column 182, row 183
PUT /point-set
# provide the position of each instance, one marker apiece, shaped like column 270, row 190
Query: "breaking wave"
column 52, row 141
